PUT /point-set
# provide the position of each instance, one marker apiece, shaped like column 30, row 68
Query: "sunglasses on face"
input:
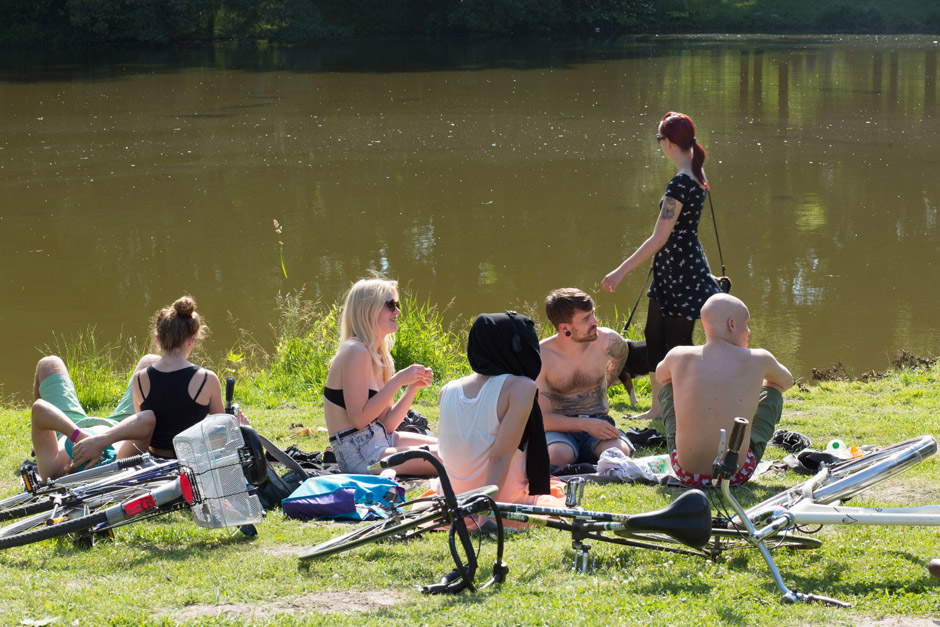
column 392, row 304
column 659, row 137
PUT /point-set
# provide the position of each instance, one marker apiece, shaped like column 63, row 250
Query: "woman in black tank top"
column 179, row 393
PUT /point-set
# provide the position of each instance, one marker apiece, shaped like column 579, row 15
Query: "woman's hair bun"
column 185, row 307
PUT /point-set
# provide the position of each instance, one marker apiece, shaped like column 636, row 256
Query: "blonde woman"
column 360, row 407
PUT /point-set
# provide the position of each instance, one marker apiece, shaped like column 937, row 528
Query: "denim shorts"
column 582, row 442
column 357, row 450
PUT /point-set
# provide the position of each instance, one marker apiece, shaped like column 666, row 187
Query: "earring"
column 567, row 333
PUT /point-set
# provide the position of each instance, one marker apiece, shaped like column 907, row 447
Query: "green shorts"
column 59, row 391
column 769, row 410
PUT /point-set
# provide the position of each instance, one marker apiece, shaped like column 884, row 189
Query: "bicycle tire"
column 54, row 530
column 30, row 517
column 721, row 541
column 14, row 513
column 407, row 525
column 17, row 500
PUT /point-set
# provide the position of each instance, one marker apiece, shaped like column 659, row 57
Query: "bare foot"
column 647, row 415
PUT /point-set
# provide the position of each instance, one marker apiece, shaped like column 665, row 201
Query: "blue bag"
column 356, row 497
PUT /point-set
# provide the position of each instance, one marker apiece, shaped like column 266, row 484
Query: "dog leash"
column 649, row 275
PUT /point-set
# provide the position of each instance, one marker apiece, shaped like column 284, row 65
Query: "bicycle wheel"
column 850, row 477
column 401, row 526
column 722, row 540
column 40, row 504
column 847, row 478
column 64, row 505
column 53, row 528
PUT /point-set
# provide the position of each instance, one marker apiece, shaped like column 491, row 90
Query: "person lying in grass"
column 166, row 394
column 360, row 408
column 706, row 387
column 490, row 428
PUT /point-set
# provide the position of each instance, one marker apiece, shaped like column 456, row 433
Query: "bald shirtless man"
column 706, row 387
column 579, row 362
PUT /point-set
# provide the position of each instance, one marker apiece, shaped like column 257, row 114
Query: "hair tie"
column 692, row 142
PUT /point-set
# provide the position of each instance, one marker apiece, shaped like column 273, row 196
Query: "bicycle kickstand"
column 583, row 558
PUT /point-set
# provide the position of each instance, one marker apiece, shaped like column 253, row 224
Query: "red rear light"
column 187, row 487
column 139, row 505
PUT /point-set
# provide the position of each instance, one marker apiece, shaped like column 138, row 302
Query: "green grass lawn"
column 168, row 571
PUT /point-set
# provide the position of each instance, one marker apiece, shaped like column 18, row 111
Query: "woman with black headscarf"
column 490, row 429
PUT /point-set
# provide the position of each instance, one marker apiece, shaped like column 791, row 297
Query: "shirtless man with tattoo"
column 579, row 362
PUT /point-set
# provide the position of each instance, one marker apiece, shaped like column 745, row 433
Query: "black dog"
column 635, row 366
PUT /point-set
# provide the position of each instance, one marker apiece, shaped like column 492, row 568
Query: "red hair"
column 679, row 129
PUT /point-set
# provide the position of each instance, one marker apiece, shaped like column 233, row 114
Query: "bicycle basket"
column 210, row 453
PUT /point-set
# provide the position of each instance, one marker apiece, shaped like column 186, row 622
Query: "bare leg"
column 560, row 454
column 47, row 420
column 656, row 410
column 47, row 366
column 416, row 467
column 146, row 360
column 612, row 443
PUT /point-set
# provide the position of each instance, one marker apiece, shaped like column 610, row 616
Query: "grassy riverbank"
column 168, row 571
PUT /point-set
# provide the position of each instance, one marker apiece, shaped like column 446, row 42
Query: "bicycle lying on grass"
column 819, row 501
column 217, row 460
column 684, row 525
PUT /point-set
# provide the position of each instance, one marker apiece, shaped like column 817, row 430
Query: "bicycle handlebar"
column 396, row 459
column 728, row 466
column 229, row 395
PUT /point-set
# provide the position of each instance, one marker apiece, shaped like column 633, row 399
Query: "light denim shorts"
column 357, row 450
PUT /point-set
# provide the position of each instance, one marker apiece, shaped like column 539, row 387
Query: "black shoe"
column 790, row 441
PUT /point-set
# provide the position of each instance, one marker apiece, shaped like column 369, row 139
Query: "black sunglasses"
column 392, row 304
column 660, row 138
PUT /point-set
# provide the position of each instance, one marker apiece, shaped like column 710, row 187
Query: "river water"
column 480, row 175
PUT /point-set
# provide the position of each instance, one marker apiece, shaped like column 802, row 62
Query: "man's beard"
column 590, row 336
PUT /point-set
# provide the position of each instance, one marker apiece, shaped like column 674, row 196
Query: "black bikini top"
column 336, row 396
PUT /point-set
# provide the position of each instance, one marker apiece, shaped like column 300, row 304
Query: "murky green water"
column 481, row 175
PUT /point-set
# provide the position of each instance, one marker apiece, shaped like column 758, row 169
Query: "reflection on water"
column 481, row 175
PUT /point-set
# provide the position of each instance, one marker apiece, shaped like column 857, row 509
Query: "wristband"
column 74, row 435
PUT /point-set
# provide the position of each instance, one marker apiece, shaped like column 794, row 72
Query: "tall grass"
column 294, row 370
column 99, row 370
column 306, row 339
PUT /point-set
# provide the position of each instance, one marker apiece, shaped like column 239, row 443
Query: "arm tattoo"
column 594, row 401
column 668, row 211
column 617, row 350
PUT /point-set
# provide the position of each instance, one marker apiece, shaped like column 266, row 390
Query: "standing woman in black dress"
column 682, row 280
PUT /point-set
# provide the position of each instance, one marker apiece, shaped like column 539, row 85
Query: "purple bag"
column 356, row 497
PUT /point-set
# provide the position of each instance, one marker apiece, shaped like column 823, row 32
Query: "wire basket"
column 210, row 452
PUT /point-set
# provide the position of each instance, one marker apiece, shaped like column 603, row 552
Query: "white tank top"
column 466, row 433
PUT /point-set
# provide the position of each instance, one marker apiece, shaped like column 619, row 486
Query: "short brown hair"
column 561, row 304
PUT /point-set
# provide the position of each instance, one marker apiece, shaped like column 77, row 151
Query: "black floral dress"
column 682, row 280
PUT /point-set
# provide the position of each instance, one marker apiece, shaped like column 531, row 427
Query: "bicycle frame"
column 819, row 503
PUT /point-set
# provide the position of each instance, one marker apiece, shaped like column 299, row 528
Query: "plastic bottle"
column 658, row 463
column 842, row 451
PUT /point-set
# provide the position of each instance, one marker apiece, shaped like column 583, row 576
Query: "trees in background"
column 59, row 22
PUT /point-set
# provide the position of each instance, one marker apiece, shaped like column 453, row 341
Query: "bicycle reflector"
column 186, row 485
column 139, row 505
